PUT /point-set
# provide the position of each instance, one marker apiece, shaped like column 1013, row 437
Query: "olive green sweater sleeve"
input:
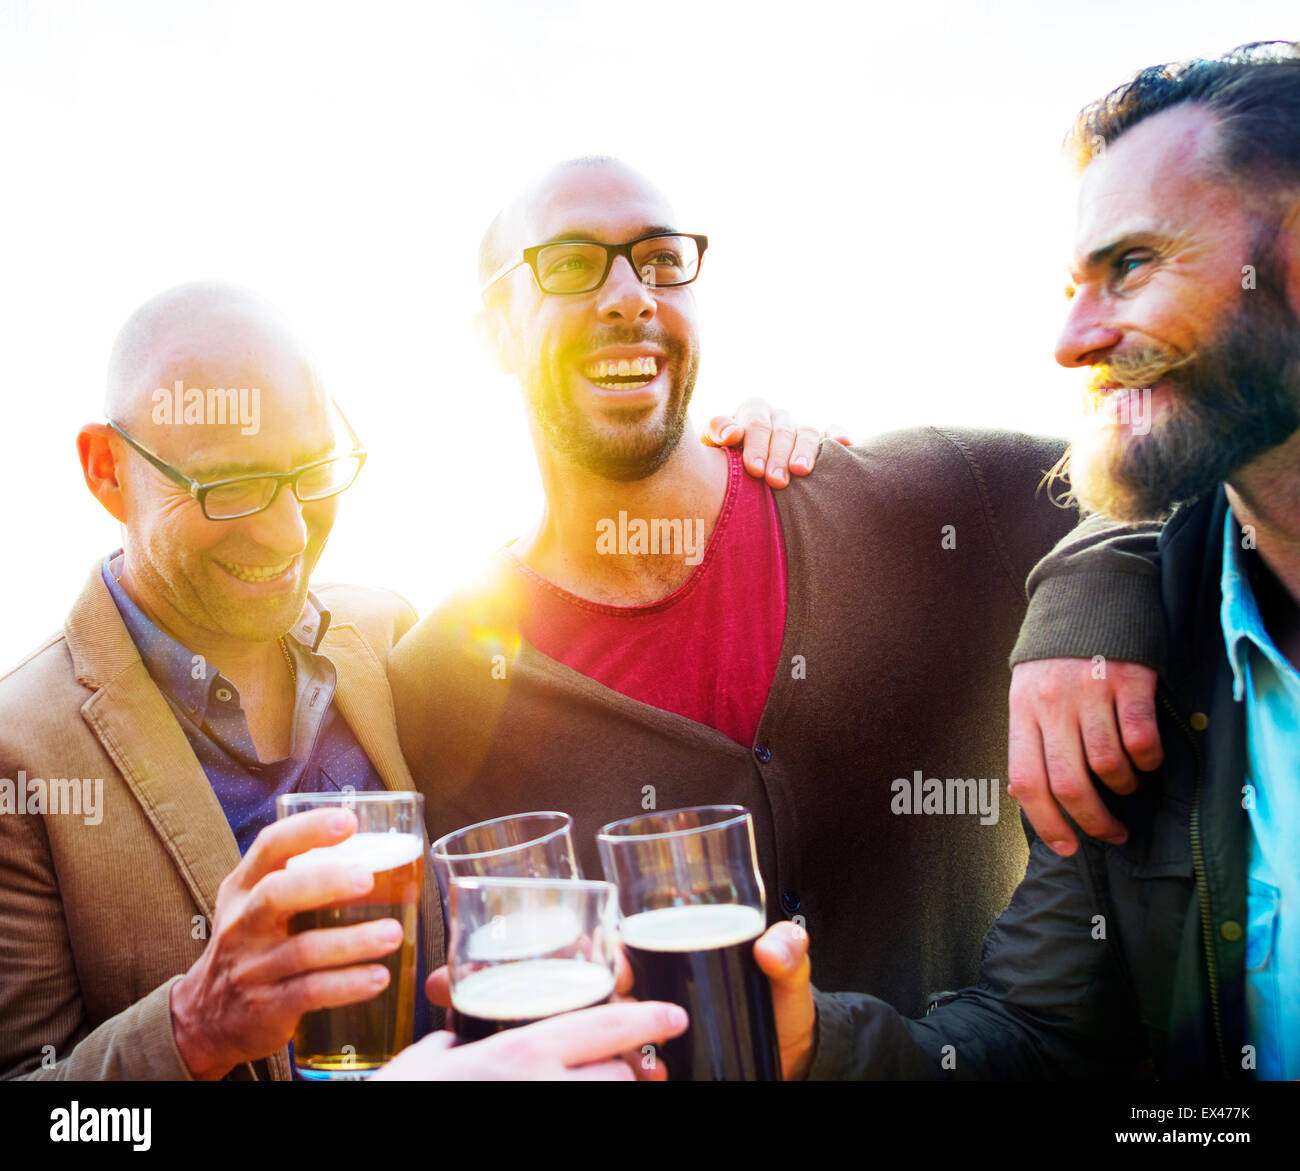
column 1097, row 593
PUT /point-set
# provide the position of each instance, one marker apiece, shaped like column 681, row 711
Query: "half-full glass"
column 524, row 949
column 353, row 1040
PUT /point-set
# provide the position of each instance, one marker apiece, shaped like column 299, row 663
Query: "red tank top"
column 709, row 650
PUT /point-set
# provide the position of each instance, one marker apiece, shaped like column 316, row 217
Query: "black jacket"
column 1121, row 960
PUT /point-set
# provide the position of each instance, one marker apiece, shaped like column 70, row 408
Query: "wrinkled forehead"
column 607, row 202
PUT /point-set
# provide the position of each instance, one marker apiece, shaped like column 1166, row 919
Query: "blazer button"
column 1231, row 930
column 790, row 901
column 1200, row 721
column 763, row 752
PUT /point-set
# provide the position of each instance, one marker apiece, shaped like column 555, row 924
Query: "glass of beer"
column 353, row 1040
column 692, row 906
column 524, row 949
column 523, row 845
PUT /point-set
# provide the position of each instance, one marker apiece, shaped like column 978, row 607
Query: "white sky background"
column 343, row 160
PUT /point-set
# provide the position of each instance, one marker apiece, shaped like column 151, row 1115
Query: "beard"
column 1229, row 403
column 625, row 448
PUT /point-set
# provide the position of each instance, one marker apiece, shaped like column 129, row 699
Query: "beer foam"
column 698, row 927
column 522, row 935
column 532, row 989
column 371, row 851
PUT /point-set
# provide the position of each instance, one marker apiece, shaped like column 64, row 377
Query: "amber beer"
column 353, row 1039
column 507, row 996
column 701, row 956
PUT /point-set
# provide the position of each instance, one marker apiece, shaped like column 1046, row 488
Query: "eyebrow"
column 228, row 471
column 588, row 238
column 1143, row 236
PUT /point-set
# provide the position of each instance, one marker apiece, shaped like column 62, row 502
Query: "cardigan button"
column 1200, row 721
column 763, row 752
column 790, row 901
column 1231, row 930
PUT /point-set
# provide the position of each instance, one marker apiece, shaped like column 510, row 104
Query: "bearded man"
column 1175, row 946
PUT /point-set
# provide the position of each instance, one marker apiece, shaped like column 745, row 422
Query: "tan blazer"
column 97, row 921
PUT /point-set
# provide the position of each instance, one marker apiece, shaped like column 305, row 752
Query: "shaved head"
column 202, row 334
column 507, row 235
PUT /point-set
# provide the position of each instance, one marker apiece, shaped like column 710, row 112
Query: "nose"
column 1087, row 334
column 281, row 527
column 623, row 297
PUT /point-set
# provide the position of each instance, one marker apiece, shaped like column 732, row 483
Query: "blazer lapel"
column 366, row 703
column 140, row 733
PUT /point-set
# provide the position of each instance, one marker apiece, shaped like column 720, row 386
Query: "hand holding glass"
column 351, row 1040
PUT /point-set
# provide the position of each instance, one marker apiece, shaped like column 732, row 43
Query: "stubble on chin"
column 235, row 618
column 623, row 450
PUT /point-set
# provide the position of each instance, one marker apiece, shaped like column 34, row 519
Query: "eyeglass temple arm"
column 504, row 270
column 177, row 478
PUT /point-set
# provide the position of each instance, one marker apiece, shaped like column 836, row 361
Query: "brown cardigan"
column 904, row 643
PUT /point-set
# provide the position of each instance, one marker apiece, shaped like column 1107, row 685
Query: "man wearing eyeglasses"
column 197, row 677
column 144, row 931
column 816, row 657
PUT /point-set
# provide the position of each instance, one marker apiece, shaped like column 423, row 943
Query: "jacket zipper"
column 1202, row 883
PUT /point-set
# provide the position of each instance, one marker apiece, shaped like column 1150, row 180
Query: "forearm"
column 1097, row 593
column 974, row 1037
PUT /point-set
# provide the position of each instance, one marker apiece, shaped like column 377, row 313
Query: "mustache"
column 616, row 335
column 1137, row 369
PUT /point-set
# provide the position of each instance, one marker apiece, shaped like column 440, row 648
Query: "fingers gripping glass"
column 566, row 267
column 240, row 496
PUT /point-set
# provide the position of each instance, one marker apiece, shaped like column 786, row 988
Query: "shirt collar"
column 1239, row 613
column 170, row 665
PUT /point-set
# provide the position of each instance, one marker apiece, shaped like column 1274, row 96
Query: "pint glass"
column 692, row 904
column 352, row 1040
column 523, row 845
column 524, row 949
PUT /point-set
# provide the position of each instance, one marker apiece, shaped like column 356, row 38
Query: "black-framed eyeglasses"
column 240, row 496
column 566, row 267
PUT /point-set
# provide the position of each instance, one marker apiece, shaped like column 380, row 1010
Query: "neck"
column 575, row 543
column 1266, row 496
column 250, row 666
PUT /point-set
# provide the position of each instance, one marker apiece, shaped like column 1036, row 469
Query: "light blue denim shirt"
column 1270, row 687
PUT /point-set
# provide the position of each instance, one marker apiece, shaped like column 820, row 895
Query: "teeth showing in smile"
column 621, row 373
column 256, row 573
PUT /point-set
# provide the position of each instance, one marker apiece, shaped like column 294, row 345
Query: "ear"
column 495, row 336
column 99, row 467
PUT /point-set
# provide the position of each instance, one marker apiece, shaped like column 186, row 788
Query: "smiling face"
column 243, row 579
column 1193, row 374
column 607, row 375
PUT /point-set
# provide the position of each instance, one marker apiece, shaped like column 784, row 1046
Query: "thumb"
column 722, row 431
column 782, row 954
column 438, row 989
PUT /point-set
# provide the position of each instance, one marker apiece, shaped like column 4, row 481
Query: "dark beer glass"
column 692, row 906
column 353, row 1040
column 524, row 949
